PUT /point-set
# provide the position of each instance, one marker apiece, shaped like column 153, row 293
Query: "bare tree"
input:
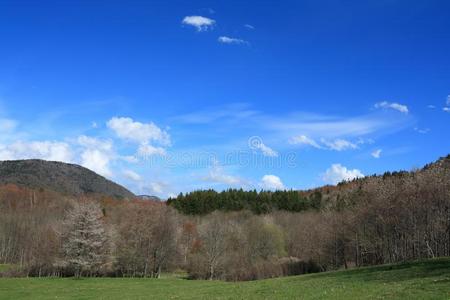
column 147, row 240
column 213, row 234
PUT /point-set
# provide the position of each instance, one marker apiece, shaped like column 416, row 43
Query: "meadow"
column 428, row 279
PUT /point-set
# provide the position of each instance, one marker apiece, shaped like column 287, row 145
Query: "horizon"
column 164, row 98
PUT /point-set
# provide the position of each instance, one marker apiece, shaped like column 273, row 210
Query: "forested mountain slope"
column 431, row 179
column 67, row 179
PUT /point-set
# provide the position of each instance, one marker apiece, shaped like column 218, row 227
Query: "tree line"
column 203, row 202
column 393, row 218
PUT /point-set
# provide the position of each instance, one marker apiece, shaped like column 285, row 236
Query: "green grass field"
column 420, row 280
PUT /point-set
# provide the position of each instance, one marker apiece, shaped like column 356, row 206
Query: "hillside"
column 433, row 176
column 419, row 280
column 67, row 179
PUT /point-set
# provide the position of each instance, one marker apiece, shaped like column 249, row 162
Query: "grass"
column 4, row 267
column 419, row 280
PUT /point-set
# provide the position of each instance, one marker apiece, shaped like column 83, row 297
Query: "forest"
column 204, row 202
column 232, row 235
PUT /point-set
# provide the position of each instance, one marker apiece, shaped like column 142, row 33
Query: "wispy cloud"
column 256, row 143
column 339, row 144
column 231, row 112
column 300, row 128
column 217, row 175
column 304, row 140
column 392, row 105
column 267, row 151
column 336, row 145
column 131, row 175
column 230, row 40
column 199, row 22
column 422, row 130
column 336, row 127
column 207, row 10
column 376, row 153
column 248, row 26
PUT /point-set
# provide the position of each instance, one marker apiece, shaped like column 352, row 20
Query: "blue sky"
column 171, row 96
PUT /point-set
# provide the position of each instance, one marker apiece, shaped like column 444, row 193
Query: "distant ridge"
column 148, row 197
column 67, row 179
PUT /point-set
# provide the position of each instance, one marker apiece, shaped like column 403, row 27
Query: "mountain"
column 149, row 197
column 67, row 179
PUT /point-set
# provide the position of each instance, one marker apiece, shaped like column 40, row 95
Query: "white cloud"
column 96, row 154
column 47, row 150
column 230, row 40
column 96, row 161
column 90, row 142
column 158, row 188
column 149, row 150
column 446, row 109
column 199, row 22
column 143, row 133
column 129, row 158
column 248, row 26
column 392, row 105
column 271, row 182
column 376, row 153
column 339, row 144
column 431, row 106
column 129, row 174
column 337, row 173
column 94, row 125
column 304, row 140
column 92, row 153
